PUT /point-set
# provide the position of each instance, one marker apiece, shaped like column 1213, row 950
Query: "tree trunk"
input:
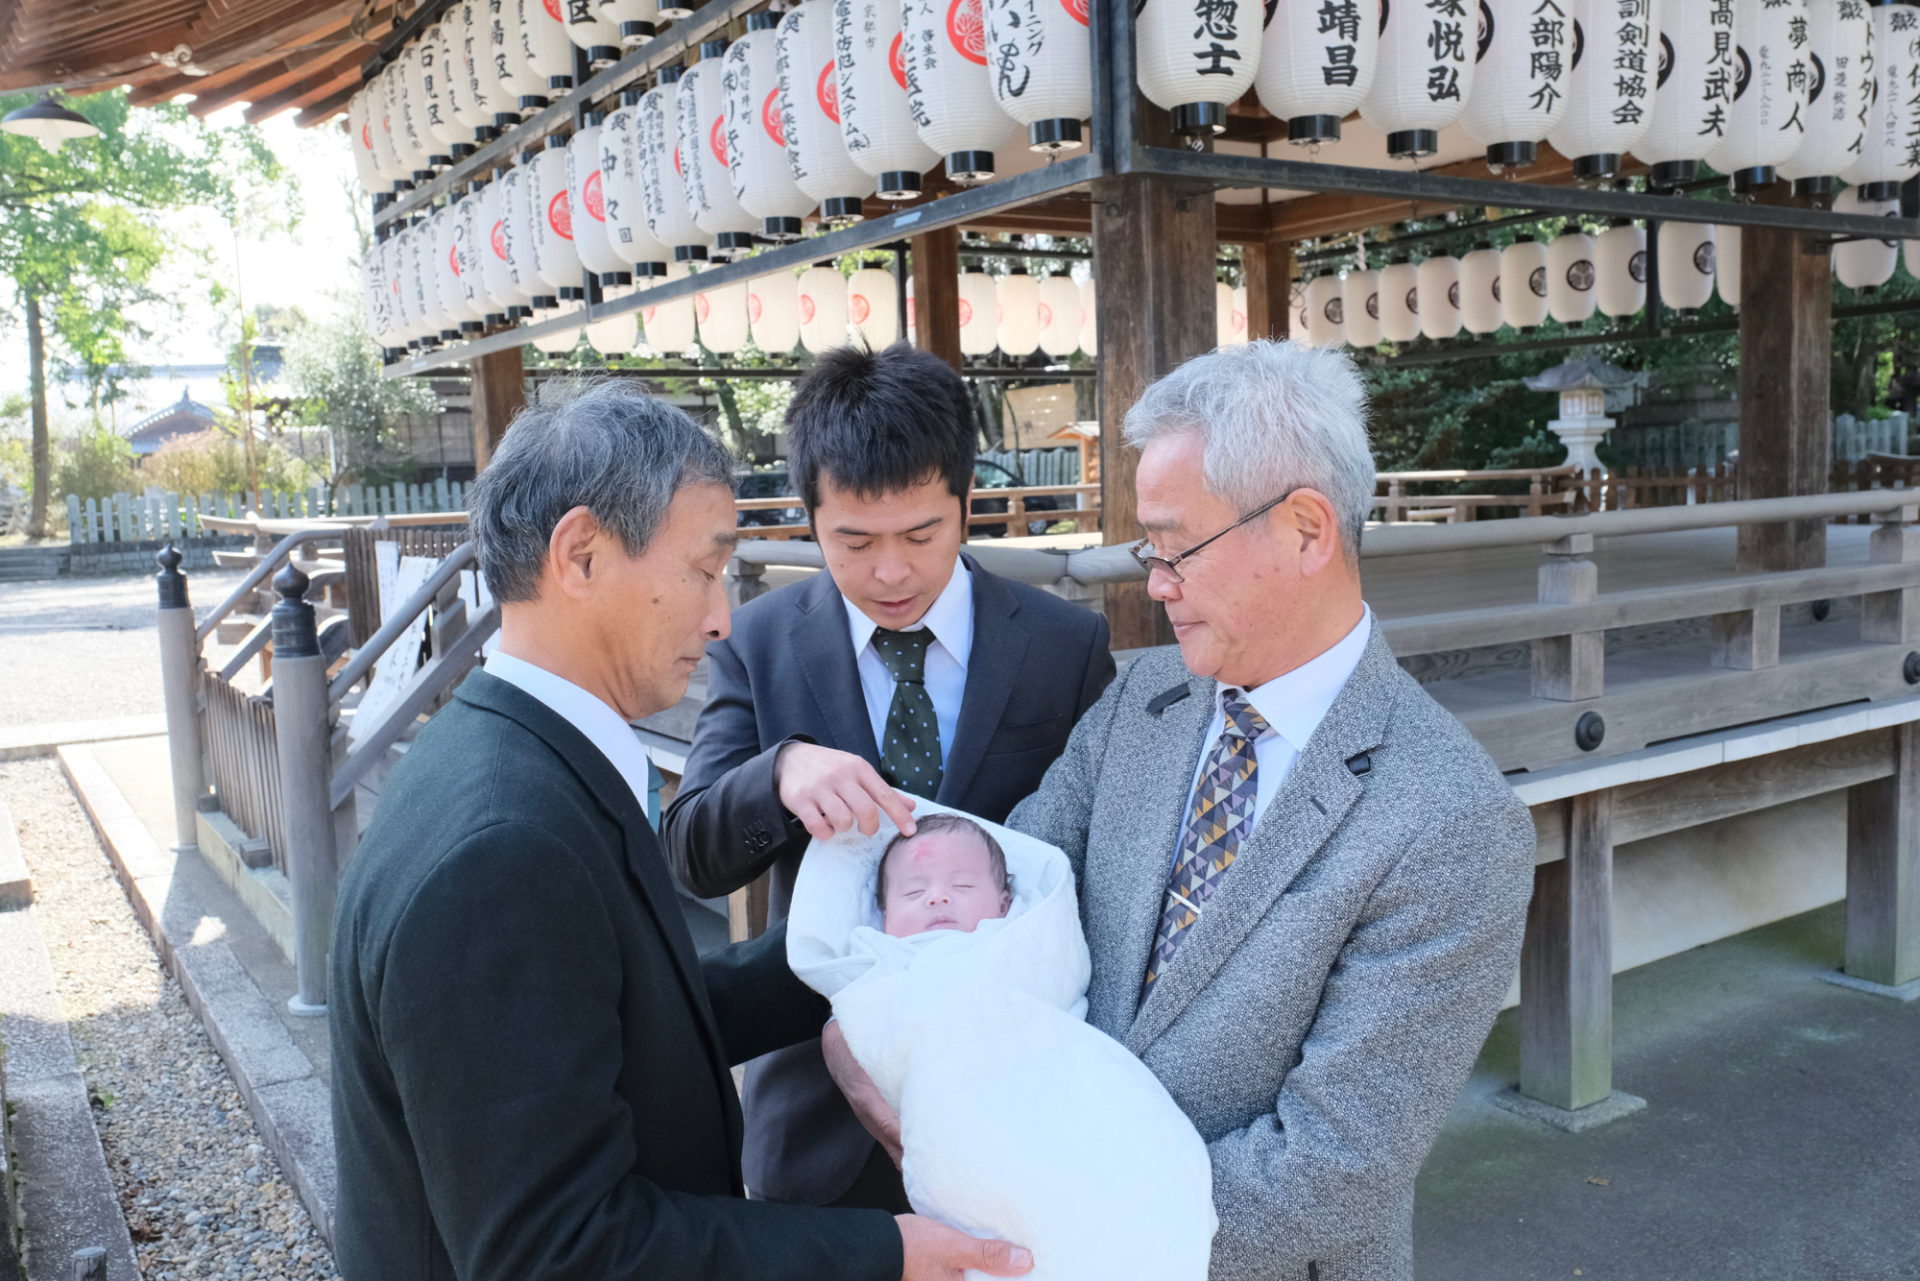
column 42, row 441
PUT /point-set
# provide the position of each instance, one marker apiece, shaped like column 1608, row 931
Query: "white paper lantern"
column 1693, row 88
column 430, row 249
column 472, row 69
column 876, row 121
column 1018, row 332
column 518, row 90
column 1240, row 335
column 455, row 308
column 1839, row 96
column 1439, row 278
column 1609, row 84
column 669, row 218
column 1864, row 264
column 1360, row 308
column 420, row 62
column 521, row 190
column 1399, row 300
column 1042, row 68
column 1060, row 316
column 1317, row 64
column 756, row 133
column 1222, row 314
column 1571, row 277
column 1764, row 125
column 1890, row 151
column 638, row 20
column 1620, row 267
column 544, row 45
column 615, row 335
column 823, row 308
column 1480, row 289
column 377, row 134
column 1520, row 81
column 979, row 313
column 1297, row 314
column 667, row 327
column 562, row 342
column 873, row 306
column 702, row 131
column 403, row 127
column 810, row 96
column 1523, row 283
column 626, row 204
column 1089, row 323
column 374, row 295
column 594, row 32
column 1910, row 257
column 396, row 266
column 446, row 88
column 586, row 182
column 950, row 90
column 555, row 257
column 1193, row 62
column 1726, row 264
column 498, row 270
column 773, row 312
column 1323, row 314
column 1686, row 264
column 469, row 243
column 366, row 170
column 1425, row 75
column 720, row 314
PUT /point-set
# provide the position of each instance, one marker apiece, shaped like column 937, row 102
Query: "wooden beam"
column 1269, row 271
column 499, row 392
column 935, row 258
column 1566, row 966
column 1883, row 869
column 316, row 80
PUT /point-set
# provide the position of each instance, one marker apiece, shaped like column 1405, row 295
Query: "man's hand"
column 936, row 1252
column 862, row 1094
column 830, row 791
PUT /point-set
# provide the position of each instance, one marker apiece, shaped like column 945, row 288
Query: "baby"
column 949, row 875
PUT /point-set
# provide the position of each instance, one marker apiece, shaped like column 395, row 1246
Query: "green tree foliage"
column 97, row 464
column 333, row 368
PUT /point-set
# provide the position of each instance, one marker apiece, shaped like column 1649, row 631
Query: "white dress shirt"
column 1293, row 705
column 950, row 619
column 604, row 727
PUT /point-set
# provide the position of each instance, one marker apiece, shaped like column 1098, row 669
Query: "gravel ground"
column 202, row 1195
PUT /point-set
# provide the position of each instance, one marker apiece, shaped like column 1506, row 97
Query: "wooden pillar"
column 499, row 392
column 1269, row 269
column 1786, row 427
column 936, row 293
column 1153, row 255
column 1883, row 869
column 1566, row 966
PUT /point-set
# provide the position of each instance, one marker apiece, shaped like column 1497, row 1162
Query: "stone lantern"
column 1583, row 421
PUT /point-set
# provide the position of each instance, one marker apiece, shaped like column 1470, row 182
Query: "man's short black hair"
column 878, row 422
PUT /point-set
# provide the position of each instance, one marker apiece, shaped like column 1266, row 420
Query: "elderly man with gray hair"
column 1303, row 884
column 531, row 1066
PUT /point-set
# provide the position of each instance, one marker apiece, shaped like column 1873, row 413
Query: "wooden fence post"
column 180, row 685
column 1566, row 966
column 1569, row 668
column 303, row 730
column 1883, row 870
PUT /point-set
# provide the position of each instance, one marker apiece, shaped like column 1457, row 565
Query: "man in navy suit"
column 904, row 666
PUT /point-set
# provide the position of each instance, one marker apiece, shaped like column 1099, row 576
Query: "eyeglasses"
column 1150, row 560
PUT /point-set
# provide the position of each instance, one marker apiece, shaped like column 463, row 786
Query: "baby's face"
column 941, row 881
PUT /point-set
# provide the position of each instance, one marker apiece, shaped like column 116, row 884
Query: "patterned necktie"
column 910, row 752
column 1220, row 818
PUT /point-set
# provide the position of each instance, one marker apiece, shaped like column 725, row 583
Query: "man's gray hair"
column 1274, row 417
column 606, row 446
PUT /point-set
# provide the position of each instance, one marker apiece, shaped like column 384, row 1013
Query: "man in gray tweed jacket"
column 1303, row 883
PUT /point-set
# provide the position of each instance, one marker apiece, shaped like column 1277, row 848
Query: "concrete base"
column 1904, row 992
column 1577, row 1121
column 264, row 890
column 16, row 883
column 24, row 742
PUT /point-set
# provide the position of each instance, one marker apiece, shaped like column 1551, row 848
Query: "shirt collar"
column 605, row 728
column 949, row 618
column 1295, row 703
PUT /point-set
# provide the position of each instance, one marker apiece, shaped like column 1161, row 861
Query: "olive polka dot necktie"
column 910, row 754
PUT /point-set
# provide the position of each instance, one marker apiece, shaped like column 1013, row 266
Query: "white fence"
column 132, row 518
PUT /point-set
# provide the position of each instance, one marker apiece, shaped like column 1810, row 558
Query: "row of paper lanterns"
column 1812, row 90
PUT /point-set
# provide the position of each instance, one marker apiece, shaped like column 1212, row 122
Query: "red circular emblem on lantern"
column 647, row 314
column 909, row 312
column 828, row 91
column 1076, row 9
column 717, row 139
column 771, row 118
column 701, row 308
column 500, row 240
column 677, row 170
column 1046, row 315
column 453, row 260
column 897, row 61
column 1239, row 322
column 593, row 197
column 560, row 216
column 553, row 10
column 968, row 30
column 859, row 308
column 806, row 309
column 966, row 313
column 366, row 136
column 754, row 308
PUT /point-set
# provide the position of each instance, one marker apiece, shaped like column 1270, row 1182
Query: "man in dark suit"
column 905, row 665
column 530, row 1064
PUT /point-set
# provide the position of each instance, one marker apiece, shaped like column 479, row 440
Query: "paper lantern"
column 773, row 312
column 395, row 268
column 669, row 217
column 822, row 305
column 876, row 122
column 1222, row 314
column 1764, row 125
column 1240, row 315
column 1399, row 300
column 668, row 327
column 1693, row 88
column 1018, row 333
column 471, row 68
column 1620, row 269
column 1323, row 314
column 586, row 185
column 444, row 255
column 1316, row 65
column 1360, row 308
column 1910, row 257
column 594, row 32
column 1726, row 264
column 518, row 92
column 1520, row 82
column 1839, row 76
column 626, row 205
column 950, row 90
column 373, row 296
column 638, row 20
column 402, row 127
column 1864, row 264
column 378, row 140
column 1571, row 277
column 1060, row 316
column 702, row 133
column 421, row 68
column 561, row 342
column 1089, row 323
column 1439, row 280
column 447, row 87
column 615, row 335
column 1297, row 314
column 979, row 313
column 911, row 340
column 366, row 169
column 756, row 133
column 1888, row 156
column 555, row 258
column 469, row 243
column 1686, row 264
column 810, row 101
column 1424, row 77
column 720, row 315
column 1195, row 61
column 1043, row 68
column 873, row 306
column 1523, row 283
column 1480, row 289
column 544, row 44
column 498, row 272
column 1609, row 84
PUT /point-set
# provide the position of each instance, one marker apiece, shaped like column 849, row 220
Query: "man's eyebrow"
column 848, row 531
column 729, row 540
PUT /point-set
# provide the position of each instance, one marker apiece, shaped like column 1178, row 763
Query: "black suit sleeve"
column 726, row 824
column 758, row 1003
column 497, row 1012
column 1100, row 667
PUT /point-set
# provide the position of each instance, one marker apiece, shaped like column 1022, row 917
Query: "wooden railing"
column 1013, row 520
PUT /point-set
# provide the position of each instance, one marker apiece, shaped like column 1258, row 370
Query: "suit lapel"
column 999, row 648
column 825, row 647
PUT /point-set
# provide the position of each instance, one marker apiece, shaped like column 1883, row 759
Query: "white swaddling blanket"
column 1018, row 1120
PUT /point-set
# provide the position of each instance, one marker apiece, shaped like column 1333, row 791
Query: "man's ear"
column 574, row 552
column 1317, row 528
